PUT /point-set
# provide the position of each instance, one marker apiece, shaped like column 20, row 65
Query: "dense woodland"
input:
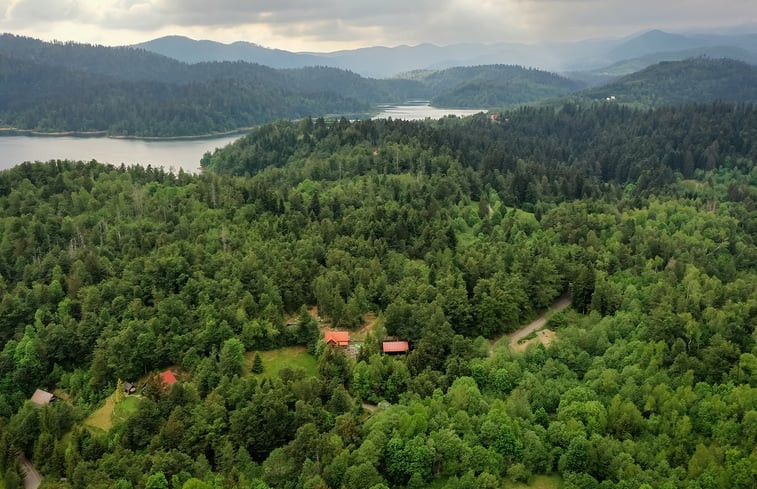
column 453, row 232
column 123, row 91
column 697, row 80
column 495, row 86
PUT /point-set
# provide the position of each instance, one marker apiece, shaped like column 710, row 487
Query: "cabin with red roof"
column 395, row 347
column 168, row 378
column 337, row 338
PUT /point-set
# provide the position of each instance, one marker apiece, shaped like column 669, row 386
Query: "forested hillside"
column 694, row 80
column 495, row 86
column 444, row 234
column 52, row 87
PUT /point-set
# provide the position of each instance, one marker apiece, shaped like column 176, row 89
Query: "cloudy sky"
column 325, row 25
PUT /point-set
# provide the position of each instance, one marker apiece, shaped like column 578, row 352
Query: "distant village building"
column 42, row 398
column 168, row 378
column 337, row 338
column 395, row 347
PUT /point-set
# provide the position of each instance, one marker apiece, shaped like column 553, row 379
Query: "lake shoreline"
column 11, row 131
column 185, row 152
column 375, row 111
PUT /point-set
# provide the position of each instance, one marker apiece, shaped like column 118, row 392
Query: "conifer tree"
column 257, row 364
column 119, row 394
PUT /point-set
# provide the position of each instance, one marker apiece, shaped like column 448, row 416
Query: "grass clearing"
column 101, row 418
column 275, row 360
column 104, row 418
column 537, row 482
column 125, row 409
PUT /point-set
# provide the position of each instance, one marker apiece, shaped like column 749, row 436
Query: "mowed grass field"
column 293, row 357
column 111, row 413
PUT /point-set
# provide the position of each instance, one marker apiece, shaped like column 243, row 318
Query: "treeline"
column 651, row 381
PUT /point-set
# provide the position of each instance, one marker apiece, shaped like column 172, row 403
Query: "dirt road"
column 534, row 325
column 32, row 478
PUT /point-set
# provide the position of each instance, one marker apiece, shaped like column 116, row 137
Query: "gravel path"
column 534, row 325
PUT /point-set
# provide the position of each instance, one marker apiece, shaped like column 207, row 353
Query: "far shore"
column 11, row 131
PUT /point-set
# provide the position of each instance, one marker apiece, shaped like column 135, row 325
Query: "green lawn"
column 125, row 409
column 104, row 418
column 274, row 360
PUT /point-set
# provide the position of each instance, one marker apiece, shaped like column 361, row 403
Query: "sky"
column 328, row 25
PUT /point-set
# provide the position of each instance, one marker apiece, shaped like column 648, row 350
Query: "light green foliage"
column 231, row 358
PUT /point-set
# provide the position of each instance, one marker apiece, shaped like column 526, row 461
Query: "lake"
column 420, row 111
column 170, row 154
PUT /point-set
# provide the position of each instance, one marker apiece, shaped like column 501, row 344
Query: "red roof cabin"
column 396, row 346
column 337, row 338
column 168, row 378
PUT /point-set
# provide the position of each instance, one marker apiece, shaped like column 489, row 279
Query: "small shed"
column 168, row 378
column 395, row 347
column 337, row 338
column 42, row 398
column 129, row 388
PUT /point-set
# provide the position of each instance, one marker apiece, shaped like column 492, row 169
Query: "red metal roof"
column 168, row 377
column 396, row 347
column 341, row 338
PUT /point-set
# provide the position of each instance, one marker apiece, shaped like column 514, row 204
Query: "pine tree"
column 257, row 364
column 119, row 394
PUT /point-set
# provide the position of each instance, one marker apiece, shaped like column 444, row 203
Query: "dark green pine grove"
column 453, row 232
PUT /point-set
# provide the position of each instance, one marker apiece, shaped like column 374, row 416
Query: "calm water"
column 420, row 111
column 176, row 154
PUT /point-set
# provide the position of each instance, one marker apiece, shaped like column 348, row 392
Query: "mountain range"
column 383, row 62
column 52, row 87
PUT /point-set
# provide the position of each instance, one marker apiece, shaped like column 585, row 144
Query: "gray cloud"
column 26, row 12
column 368, row 22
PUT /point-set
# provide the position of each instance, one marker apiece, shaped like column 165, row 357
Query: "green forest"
column 447, row 234
column 50, row 87
column 700, row 79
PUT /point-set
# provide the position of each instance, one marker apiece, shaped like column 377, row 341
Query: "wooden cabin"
column 337, row 338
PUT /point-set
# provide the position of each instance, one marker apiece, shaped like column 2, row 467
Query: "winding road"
column 534, row 325
column 32, row 478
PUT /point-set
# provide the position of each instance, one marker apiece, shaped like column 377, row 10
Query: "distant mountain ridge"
column 52, row 87
column 383, row 62
column 178, row 47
